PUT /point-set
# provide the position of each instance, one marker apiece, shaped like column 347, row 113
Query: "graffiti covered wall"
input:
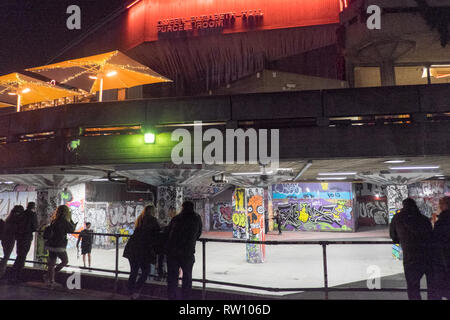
column 10, row 199
column 221, row 216
column 371, row 205
column 221, row 211
column 427, row 195
column 74, row 197
column 315, row 206
column 395, row 195
column 372, row 210
column 115, row 217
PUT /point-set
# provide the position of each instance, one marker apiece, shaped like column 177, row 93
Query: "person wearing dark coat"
column 441, row 250
column 9, row 236
column 140, row 249
column 56, row 245
column 26, row 224
column 183, row 232
column 413, row 231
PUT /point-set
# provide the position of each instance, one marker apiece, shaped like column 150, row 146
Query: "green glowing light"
column 74, row 144
column 149, row 138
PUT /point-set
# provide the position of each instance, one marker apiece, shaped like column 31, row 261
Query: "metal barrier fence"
column 325, row 289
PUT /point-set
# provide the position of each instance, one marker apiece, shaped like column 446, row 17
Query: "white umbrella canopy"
column 112, row 70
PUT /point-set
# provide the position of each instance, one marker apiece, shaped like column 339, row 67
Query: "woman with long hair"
column 61, row 224
column 140, row 249
column 9, row 236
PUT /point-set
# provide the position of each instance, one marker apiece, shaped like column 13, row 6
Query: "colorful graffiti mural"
column 315, row 206
column 255, row 224
column 221, row 215
column 239, row 214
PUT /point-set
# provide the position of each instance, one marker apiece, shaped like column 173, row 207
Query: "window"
column 440, row 73
column 411, row 75
column 367, row 77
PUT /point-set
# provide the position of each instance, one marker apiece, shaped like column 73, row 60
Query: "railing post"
column 204, row 269
column 325, row 271
column 116, row 279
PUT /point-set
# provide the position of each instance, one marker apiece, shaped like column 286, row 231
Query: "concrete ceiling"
column 372, row 170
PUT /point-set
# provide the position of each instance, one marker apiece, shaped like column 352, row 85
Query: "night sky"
column 34, row 31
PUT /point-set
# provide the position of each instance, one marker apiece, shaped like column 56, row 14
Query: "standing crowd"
column 425, row 244
column 426, row 248
column 149, row 244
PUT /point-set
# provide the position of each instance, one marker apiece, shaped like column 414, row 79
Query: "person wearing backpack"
column 56, row 242
column 8, row 237
column 26, row 224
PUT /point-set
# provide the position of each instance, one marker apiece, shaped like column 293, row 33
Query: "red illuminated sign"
column 250, row 18
column 151, row 20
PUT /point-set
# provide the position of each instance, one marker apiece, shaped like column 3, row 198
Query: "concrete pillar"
column 239, row 214
column 206, row 222
column 387, row 72
column 47, row 200
column 270, row 207
column 395, row 195
column 350, row 73
column 169, row 201
column 255, row 216
column 201, row 206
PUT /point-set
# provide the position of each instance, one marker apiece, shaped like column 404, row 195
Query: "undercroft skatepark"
column 285, row 266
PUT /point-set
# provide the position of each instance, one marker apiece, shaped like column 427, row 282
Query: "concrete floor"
column 288, row 266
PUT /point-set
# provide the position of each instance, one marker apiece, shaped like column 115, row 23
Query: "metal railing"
column 326, row 289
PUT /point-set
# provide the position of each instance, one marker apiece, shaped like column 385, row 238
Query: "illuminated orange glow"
column 442, row 76
column 113, row 129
